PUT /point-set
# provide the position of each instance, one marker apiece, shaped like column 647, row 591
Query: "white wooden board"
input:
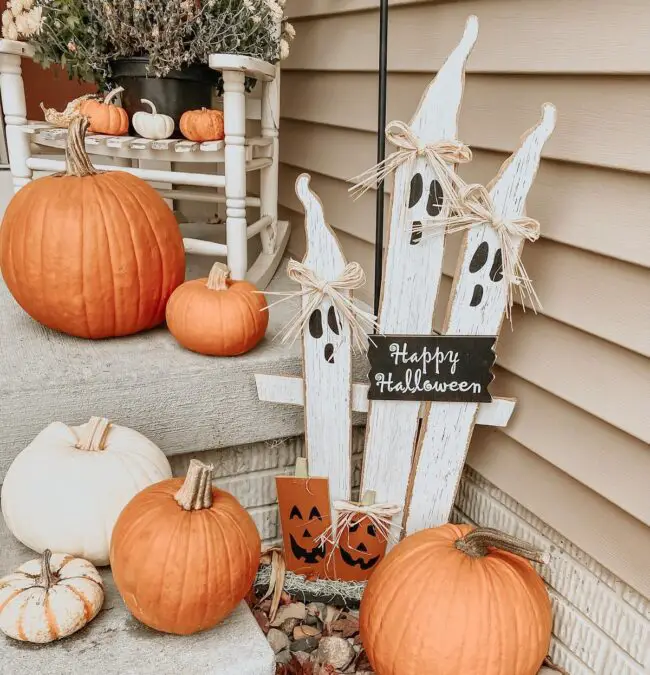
column 290, row 390
column 327, row 358
column 447, row 427
column 412, row 270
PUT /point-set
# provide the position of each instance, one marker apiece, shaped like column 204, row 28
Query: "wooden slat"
column 554, row 36
column 119, row 141
column 597, row 454
column 296, row 9
column 618, row 541
column 566, row 198
column 601, row 121
column 581, row 289
column 186, row 146
column 611, row 383
column 211, row 146
column 141, row 144
column 166, row 144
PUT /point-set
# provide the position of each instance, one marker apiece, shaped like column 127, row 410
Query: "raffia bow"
column 409, row 147
column 477, row 209
column 380, row 515
column 316, row 290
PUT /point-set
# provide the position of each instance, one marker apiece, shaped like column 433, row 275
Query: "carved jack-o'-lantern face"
column 360, row 549
column 304, row 516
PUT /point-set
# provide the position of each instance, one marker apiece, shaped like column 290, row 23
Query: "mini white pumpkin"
column 65, row 490
column 152, row 124
column 49, row 598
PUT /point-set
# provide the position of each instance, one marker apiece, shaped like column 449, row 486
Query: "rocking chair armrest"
column 15, row 48
column 252, row 67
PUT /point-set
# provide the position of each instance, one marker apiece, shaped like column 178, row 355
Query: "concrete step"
column 115, row 643
column 183, row 402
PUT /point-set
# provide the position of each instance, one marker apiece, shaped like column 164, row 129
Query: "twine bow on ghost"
column 380, row 515
column 317, row 290
column 476, row 208
column 409, row 147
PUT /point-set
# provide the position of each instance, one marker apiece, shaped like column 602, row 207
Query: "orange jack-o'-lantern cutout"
column 304, row 516
column 361, row 547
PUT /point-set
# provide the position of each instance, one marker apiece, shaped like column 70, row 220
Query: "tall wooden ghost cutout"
column 477, row 307
column 327, row 358
column 412, row 270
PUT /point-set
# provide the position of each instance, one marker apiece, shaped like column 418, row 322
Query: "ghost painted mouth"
column 312, row 557
column 329, row 352
column 416, row 232
column 358, row 562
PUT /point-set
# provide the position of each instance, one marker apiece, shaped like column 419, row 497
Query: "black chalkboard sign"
column 431, row 367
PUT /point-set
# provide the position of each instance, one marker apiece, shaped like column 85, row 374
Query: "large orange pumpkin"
column 105, row 117
column 184, row 554
column 455, row 600
column 202, row 125
column 91, row 254
column 217, row 316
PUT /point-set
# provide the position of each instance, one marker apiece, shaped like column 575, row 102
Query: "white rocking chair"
column 238, row 152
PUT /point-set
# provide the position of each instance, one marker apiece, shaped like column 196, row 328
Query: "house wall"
column 576, row 452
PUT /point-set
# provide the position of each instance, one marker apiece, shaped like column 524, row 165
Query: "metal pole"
column 381, row 146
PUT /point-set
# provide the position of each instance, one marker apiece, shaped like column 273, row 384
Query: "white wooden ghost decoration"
column 412, row 271
column 477, row 306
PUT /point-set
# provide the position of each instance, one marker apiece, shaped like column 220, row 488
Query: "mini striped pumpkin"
column 49, row 598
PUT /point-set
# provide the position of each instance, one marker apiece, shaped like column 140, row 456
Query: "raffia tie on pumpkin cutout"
column 477, row 209
column 442, row 156
column 379, row 515
column 316, row 290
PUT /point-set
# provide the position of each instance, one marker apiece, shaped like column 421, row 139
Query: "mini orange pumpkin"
column 473, row 605
column 104, row 116
column 91, row 254
column 202, row 125
column 184, row 554
column 217, row 316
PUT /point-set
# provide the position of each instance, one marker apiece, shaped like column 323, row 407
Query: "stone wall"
column 602, row 626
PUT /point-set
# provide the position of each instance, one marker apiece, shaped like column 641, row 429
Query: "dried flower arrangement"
column 85, row 36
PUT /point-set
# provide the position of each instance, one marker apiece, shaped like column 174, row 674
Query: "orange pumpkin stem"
column 196, row 491
column 218, row 278
column 478, row 542
column 94, row 435
column 46, row 578
column 77, row 162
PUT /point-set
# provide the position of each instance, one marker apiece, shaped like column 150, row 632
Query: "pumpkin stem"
column 94, row 435
column 112, row 94
column 77, row 162
column 46, row 578
column 196, row 491
column 478, row 542
column 151, row 105
column 218, row 279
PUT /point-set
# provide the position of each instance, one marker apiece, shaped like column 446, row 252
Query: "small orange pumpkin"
column 217, row 316
column 104, row 116
column 474, row 605
column 202, row 125
column 184, row 554
column 89, row 253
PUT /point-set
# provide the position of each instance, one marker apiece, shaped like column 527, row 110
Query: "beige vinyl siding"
column 576, row 452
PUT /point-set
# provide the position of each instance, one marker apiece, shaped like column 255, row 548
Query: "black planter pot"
column 180, row 90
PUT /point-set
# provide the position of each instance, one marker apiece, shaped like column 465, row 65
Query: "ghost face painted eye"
column 424, row 203
column 316, row 324
column 477, row 263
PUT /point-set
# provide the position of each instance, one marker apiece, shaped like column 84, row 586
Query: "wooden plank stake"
column 412, row 271
column 448, row 427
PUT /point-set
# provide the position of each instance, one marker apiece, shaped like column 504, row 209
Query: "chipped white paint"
column 327, row 357
column 239, row 151
column 412, row 274
column 289, row 390
column 476, row 307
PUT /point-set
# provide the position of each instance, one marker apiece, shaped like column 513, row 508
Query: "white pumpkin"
column 49, row 598
column 152, row 124
column 65, row 490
